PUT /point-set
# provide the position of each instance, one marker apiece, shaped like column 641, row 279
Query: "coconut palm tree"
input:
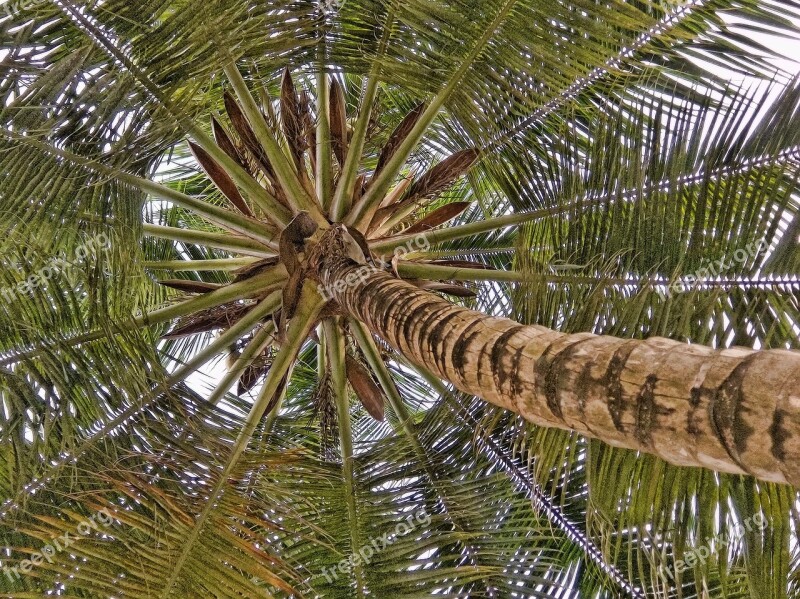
column 507, row 292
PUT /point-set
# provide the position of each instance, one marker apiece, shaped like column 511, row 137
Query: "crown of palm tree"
column 310, row 171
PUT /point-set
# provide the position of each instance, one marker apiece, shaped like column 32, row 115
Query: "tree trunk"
column 732, row 410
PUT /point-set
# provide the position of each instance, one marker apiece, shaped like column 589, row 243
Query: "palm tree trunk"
column 732, row 410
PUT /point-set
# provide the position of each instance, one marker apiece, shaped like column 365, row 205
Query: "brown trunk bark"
column 732, row 410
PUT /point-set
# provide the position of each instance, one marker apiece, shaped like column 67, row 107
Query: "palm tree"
column 484, row 274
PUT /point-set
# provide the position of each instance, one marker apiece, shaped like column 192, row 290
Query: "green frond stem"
column 361, row 213
column 386, row 245
column 259, row 284
column 222, row 241
column 220, row 345
column 459, row 253
column 347, row 179
column 284, row 171
column 324, row 173
column 395, row 219
column 334, row 343
column 271, row 208
column 269, row 419
column 221, row 265
column 789, row 155
column 255, row 192
column 220, row 216
column 413, row 270
column 254, row 348
column 299, row 327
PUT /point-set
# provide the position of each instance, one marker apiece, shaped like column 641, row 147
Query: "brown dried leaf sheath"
column 221, row 179
column 437, row 217
column 190, row 286
column 293, row 118
column 338, row 117
column 368, row 393
column 207, row 320
column 397, row 137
